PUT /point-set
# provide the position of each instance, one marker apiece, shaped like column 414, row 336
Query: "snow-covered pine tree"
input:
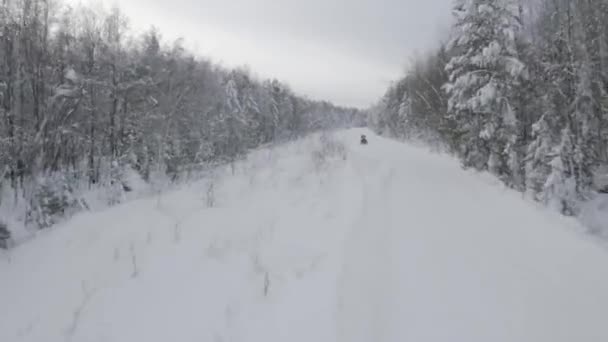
column 404, row 125
column 560, row 191
column 586, row 110
column 571, row 114
column 483, row 73
column 540, row 155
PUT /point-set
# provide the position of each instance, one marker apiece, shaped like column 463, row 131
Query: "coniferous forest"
column 520, row 89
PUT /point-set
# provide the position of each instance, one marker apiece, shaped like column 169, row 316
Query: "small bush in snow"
column 600, row 179
column 116, row 187
column 594, row 215
column 329, row 149
column 53, row 199
column 5, row 235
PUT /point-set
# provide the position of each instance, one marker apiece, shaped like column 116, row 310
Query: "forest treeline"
column 520, row 89
column 83, row 100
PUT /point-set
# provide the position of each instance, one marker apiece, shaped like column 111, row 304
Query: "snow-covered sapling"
column 135, row 270
column 210, row 195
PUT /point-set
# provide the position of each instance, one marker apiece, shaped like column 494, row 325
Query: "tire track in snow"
column 364, row 286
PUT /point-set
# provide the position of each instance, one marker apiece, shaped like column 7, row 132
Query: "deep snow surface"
column 391, row 244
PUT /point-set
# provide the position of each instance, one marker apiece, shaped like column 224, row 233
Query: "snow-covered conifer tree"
column 483, row 74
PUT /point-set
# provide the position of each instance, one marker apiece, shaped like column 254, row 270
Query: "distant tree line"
column 81, row 99
column 519, row 90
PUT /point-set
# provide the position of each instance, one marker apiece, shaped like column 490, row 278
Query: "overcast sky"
column 343, row 51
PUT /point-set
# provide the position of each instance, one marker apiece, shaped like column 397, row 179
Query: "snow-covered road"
column 391, row 244
column 444, row 255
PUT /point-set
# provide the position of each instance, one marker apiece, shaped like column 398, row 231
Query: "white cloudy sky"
column 346, row 51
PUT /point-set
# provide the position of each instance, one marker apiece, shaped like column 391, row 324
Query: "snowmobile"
column 363, row 140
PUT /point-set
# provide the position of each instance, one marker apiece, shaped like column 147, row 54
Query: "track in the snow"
column 440, row 255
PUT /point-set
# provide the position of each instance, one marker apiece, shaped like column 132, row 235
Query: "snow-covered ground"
column 390, row 243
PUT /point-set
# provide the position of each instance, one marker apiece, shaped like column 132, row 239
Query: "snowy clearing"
column 310, row 242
